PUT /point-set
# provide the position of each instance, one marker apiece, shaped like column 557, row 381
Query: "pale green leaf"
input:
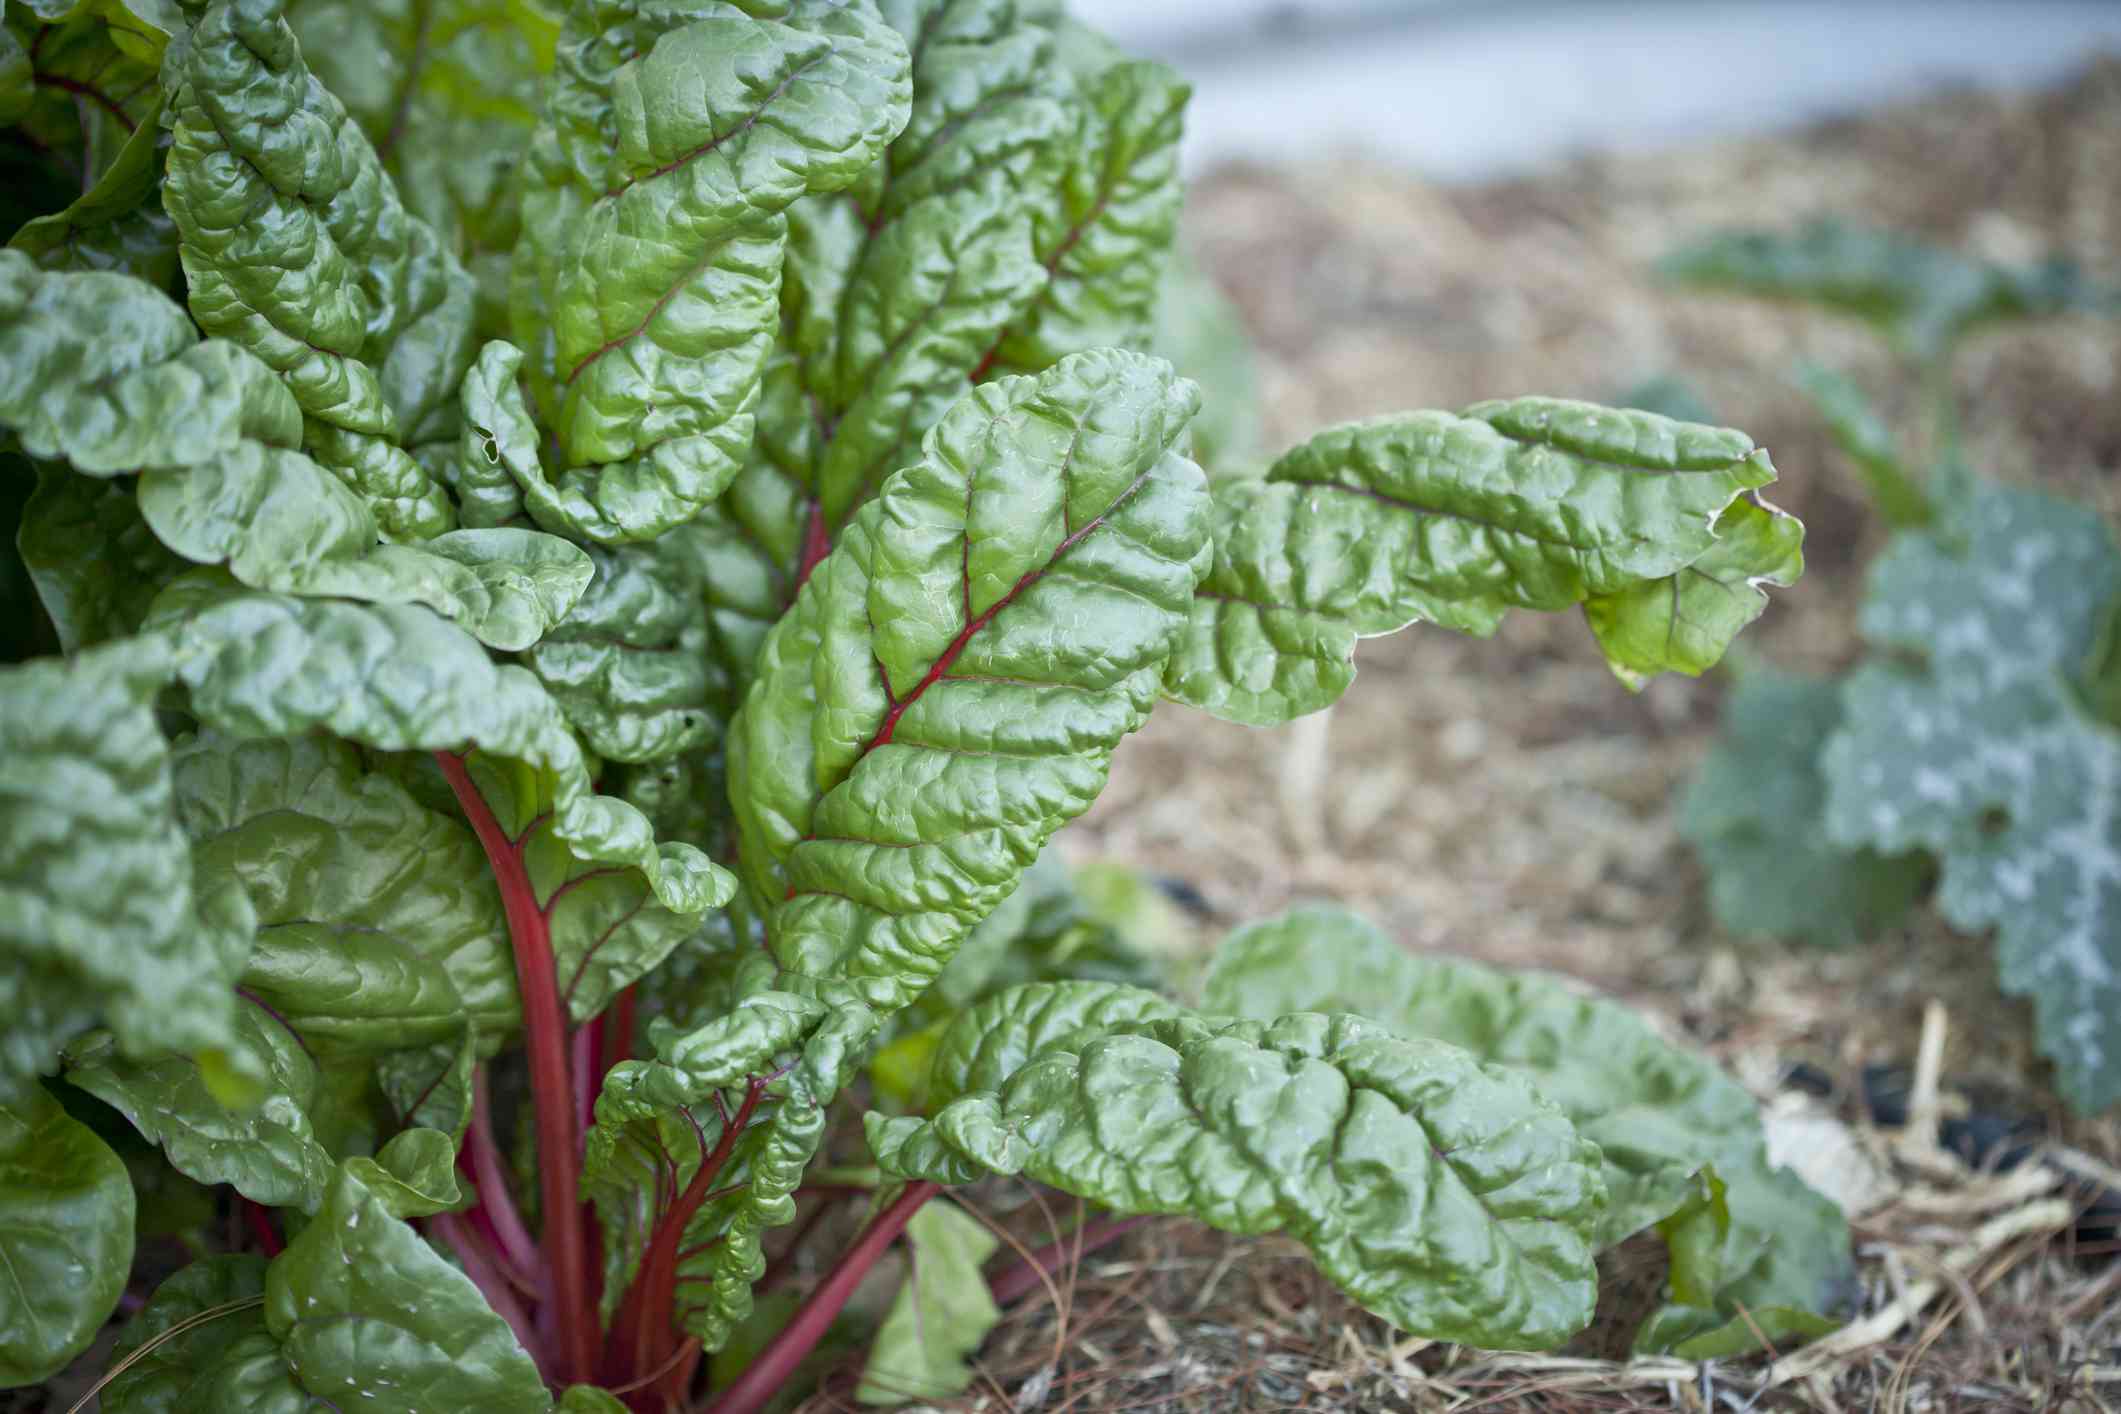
column 941, row 1314
column 1442, row 1194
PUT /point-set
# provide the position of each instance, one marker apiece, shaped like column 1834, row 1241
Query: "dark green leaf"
column 225, row 1361
column 66, row 1236
column 118, row 223
column 296, row 246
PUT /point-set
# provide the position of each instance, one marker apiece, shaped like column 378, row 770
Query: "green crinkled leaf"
column 1659, row 1114
column 1756, row 815
column 1536, row 503
column 633, row 666
column 1022, row 215
column 296, row 246
column 398, row 678
column 431, row 1087
column 267, row 1151
column 225, row 1362
column 642, row 1166
column 941, row 1314
column 118, row 224
column 211, row 431
column 1925, row 296
column 281, row 522
column 1984, row 755
column 379, row 927
column 1685, row 621
column 995, row 621
column 100, row 918
column 66, row 1236
column 1868, row 443
column 1442, row 1194
column 647, row 286
column 91, row 599
column 448, row 92
column 1104, row 249
column 364, row 1310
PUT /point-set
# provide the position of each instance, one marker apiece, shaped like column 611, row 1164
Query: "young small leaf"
column 941, row 1314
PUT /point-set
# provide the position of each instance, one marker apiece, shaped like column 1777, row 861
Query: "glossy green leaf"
column 1104, row 249
column 398, row 678
column 642, row 1166
column 430, row 1087
column 1536, row 503
column 66, row 1236
column 414, row 1175
column 1756, row 815
column 1442, row 1194
column 100, row 918
column 211, row 430
column 953, row 678
column 118, row 223
column 1983, row 754
column 1660, row 1115
column 369, row 1316
column 296, row 246
column 646, row 292
column 379, row 927
column 267, row 1151
column 1868, row 444
column 941, row 1314
column 226, row 1360
column 1923, row 295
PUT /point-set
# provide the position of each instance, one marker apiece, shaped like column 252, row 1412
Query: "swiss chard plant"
column 1979, row 745
column 579, row 560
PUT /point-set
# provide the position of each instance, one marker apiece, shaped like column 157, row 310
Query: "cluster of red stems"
column 548, row 1287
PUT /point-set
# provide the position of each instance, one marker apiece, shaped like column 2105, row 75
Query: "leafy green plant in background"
column 1978, row 744
column 580, row 561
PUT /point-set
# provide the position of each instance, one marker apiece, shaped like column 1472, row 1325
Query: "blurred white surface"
column 1464, row 89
